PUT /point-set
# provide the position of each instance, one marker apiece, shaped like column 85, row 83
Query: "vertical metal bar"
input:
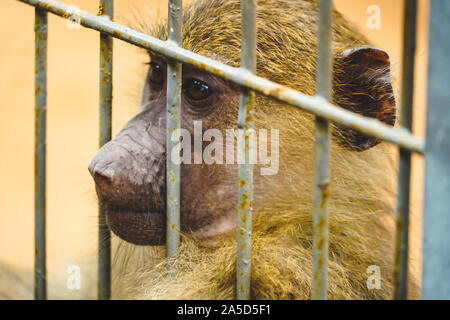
column 436, row 245
column 173, row 117
column 106, row 70
column 40, row 149
column 402, row 213
column 245, row 125
column 322, row 152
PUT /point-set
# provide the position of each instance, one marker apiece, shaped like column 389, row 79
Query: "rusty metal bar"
column 322, row 155
column 40, row 150
column 436, row 224
column 316, row 105
column 245, row 182
column 106, row 88
column 402, row 213
column 173, row 124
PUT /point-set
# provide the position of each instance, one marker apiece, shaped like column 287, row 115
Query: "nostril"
column 102, row 181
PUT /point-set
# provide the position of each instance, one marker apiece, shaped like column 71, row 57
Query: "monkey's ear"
column 362, row 84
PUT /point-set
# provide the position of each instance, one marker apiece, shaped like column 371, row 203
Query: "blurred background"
column 73, row 59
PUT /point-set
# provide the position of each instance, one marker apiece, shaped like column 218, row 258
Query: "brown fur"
column 362, row 183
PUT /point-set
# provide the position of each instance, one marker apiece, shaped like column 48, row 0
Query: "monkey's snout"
column 126, row 176
column 125, row 182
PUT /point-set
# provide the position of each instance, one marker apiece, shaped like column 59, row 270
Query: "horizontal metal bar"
column 322, row 157
column 245, row 181
column 173, row 122
column 404, row 176
column 40, row 150
column 106, row 90
column 316, row 105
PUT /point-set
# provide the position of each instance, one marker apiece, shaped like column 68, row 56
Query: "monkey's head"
column 130, row 170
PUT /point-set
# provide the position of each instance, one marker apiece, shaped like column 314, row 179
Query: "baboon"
column 129, row 171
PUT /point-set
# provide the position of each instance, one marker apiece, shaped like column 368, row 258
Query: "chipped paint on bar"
column 173, row 118
column 245, row 183
column 322, row 156
column 106, row 10
column 402, row 213
column 40, row 150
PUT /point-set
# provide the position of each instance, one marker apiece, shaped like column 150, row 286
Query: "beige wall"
column 73, row 120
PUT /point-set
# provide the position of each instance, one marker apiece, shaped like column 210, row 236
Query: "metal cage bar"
column 316, row 105
column 173, row 118
column 245, row 148
column 106, row 88
column 322, row 156
column 436, row 225
column 40, row 150
column 404, row 176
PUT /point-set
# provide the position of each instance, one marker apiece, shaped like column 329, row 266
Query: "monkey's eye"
column 156, row 74
column 196, row 89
